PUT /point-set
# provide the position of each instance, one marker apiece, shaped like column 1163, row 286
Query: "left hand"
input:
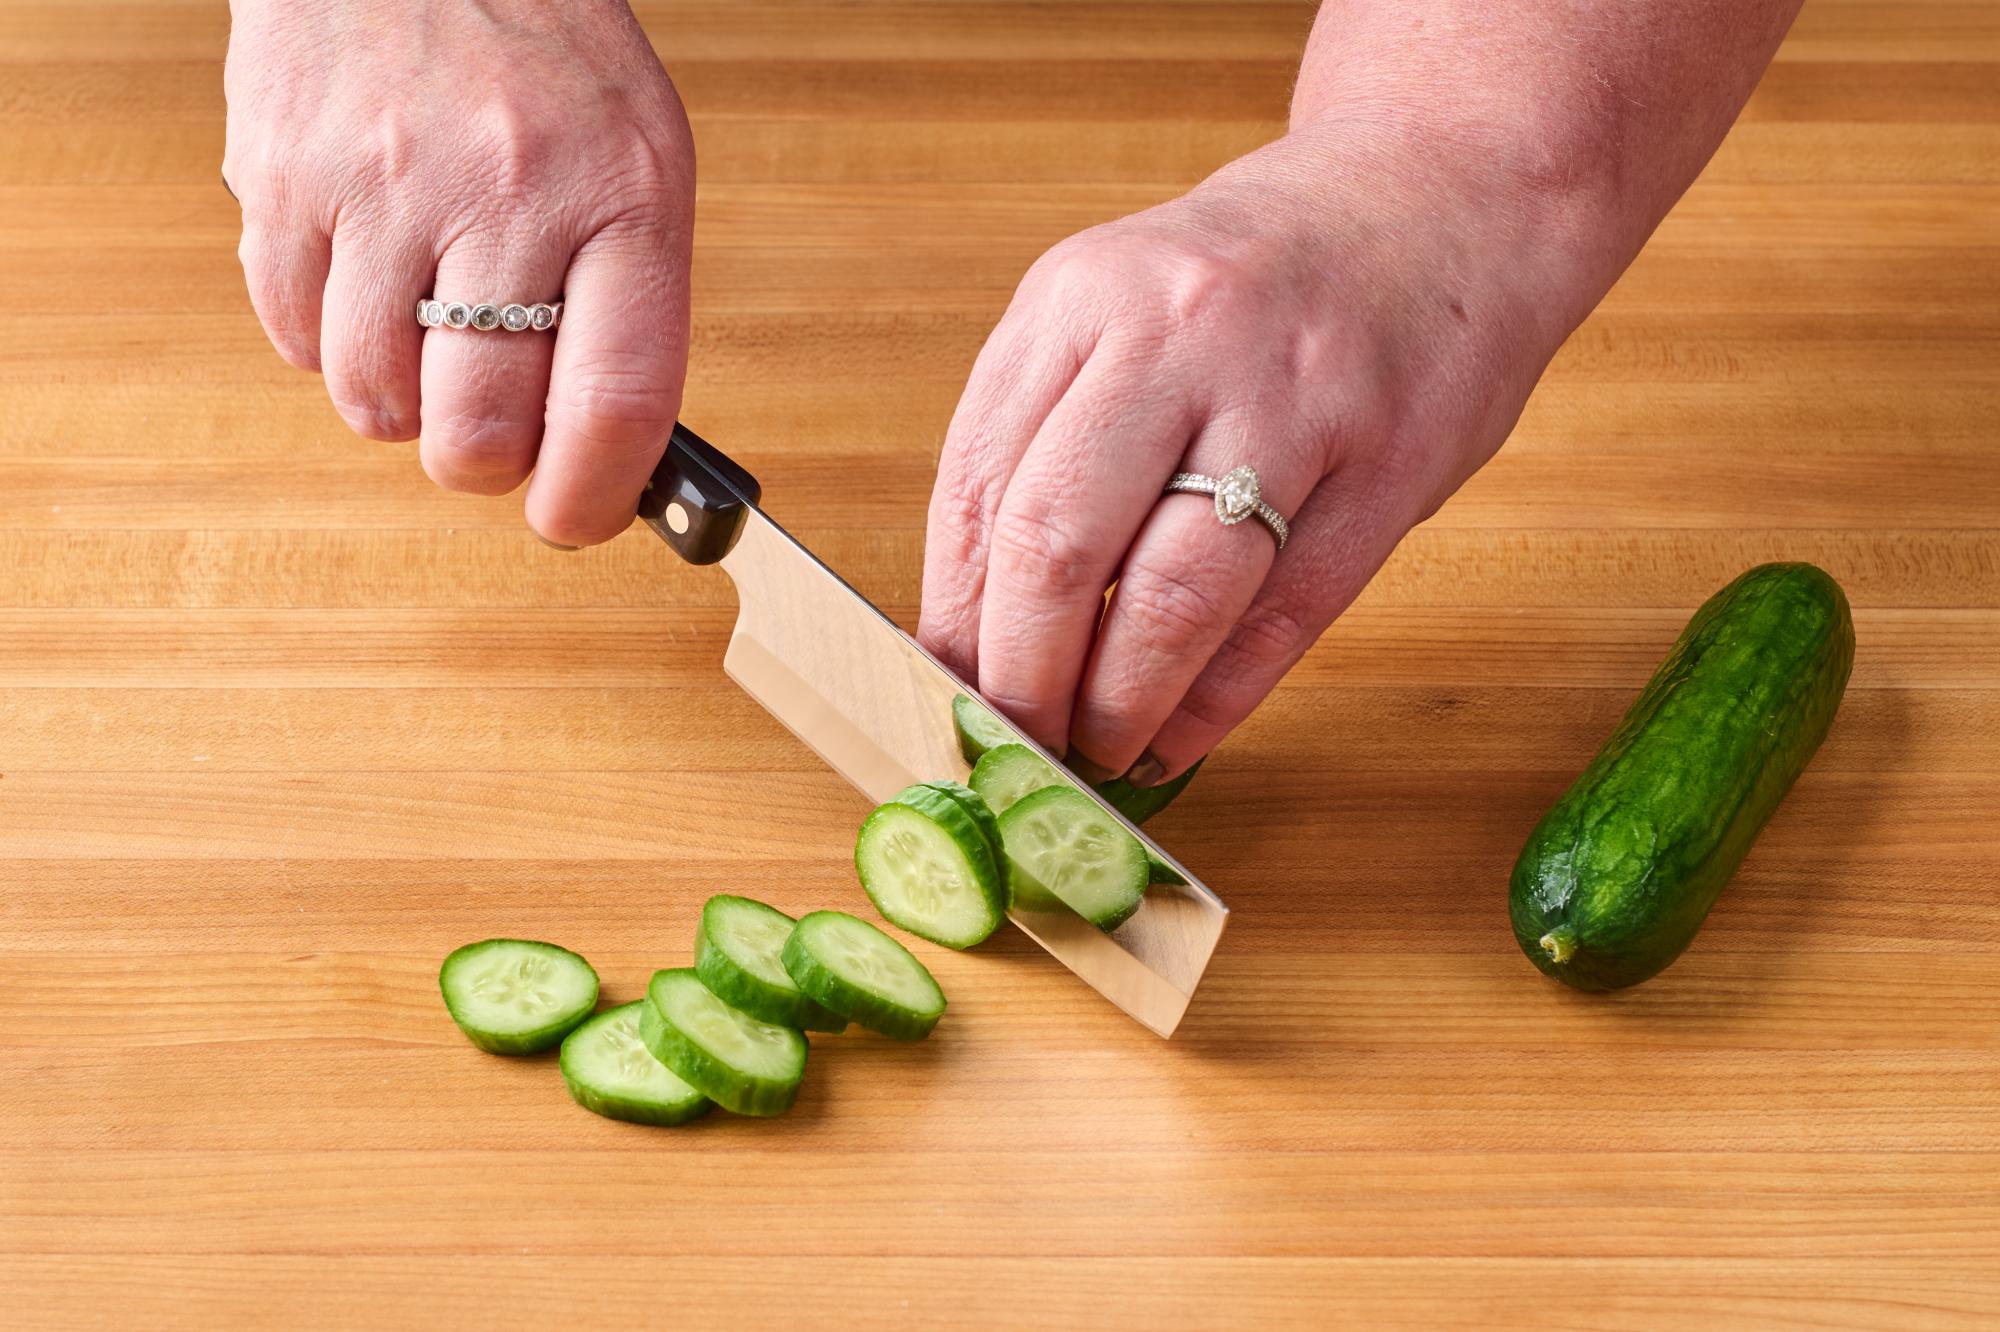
column 1359, row 319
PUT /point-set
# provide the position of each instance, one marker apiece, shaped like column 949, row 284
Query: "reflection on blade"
column 878, row 709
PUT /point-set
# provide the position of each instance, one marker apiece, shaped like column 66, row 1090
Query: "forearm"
column 1589, row 119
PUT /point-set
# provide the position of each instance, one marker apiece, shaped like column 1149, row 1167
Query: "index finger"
column 615, row 385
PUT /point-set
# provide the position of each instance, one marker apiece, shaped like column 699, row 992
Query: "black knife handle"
column 698, row 498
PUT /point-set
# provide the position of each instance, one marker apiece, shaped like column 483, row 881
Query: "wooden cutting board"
column 280, row 724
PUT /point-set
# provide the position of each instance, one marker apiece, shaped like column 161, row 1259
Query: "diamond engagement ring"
column 486, row 318
column 1236, row 498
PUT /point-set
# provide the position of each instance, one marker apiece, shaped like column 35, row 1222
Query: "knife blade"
column 859, row 692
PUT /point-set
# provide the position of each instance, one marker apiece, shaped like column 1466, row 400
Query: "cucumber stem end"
column 1559, row 944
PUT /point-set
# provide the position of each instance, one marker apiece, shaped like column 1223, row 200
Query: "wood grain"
column 280, row 724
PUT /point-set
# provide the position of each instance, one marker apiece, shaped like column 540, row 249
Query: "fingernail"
column 553, row 545
column 1147, row 771
column 1084, row 768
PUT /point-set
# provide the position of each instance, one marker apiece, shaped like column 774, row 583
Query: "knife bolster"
column 710, row 492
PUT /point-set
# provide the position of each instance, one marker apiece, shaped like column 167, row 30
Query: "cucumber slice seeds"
column 929, row 867
column 610, row 1072
column 1066, row 850
column 517, row 996
column 740, row 1063
column 736, row 955
column 978, row 729
column 1007, row 772
column 853, row 968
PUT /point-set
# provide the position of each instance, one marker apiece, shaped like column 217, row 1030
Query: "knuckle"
column 1201, row 284
column 1212, row 706
column 963, row 503
column 571, row 516
column 1270, row 637
column 1315, row 354
column 514, row 149
column 1034, row 549
column 1171, row 608
column 619, row 404
column 297, row 346
column 371, row 417
column 484, row 445
column 653, row 172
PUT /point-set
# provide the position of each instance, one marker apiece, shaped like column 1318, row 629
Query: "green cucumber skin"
column 861, row 1006
column 636, row 1112
column 975, row 807
column 1139, row 803
column 708, row 1075
column 1621, row 872
column 978, row 730
column 754, row 995
column 625, row 1107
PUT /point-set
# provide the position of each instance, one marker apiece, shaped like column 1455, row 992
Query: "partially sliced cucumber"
column 740, row 1063
column 610, row 1072
column 853, row 968
column 1007, row 772
column 1159, row 871
column 978, row 729
column 1065, row 849
column 1139, row 803
column 929, row 867
column 517, row 996
column 736, row 955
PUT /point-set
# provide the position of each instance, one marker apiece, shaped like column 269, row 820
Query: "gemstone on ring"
column 486, row 318
column 541, row 317
column 1237, row 496
column 457, row 315
column 433, row 313
column 514, row 318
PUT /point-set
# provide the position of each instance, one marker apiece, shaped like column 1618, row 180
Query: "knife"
column 863, row 696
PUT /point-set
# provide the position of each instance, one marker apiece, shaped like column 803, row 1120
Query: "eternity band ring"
column 1236, row 498
column 485, row 317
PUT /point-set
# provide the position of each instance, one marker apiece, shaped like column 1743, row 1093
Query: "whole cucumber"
column 1618, row 876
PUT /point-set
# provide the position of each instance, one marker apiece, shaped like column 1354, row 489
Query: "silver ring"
column 487, row 317
column 1236, row 497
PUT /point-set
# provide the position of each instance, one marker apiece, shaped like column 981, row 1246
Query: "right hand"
column 507, row 151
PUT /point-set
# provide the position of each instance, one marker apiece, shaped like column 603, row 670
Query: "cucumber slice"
column 928, row 867
column 974, row 805
column 853, row 968
column 736, row 956
column 1159, row 871
column 1066, row 849
column 610, row 1072
column 517, row 996
column 750, row 1067
column 1007, row 772
column 978, row 729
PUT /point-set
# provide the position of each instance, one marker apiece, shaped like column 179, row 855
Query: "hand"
column 1360, row 321
column 506, row 151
